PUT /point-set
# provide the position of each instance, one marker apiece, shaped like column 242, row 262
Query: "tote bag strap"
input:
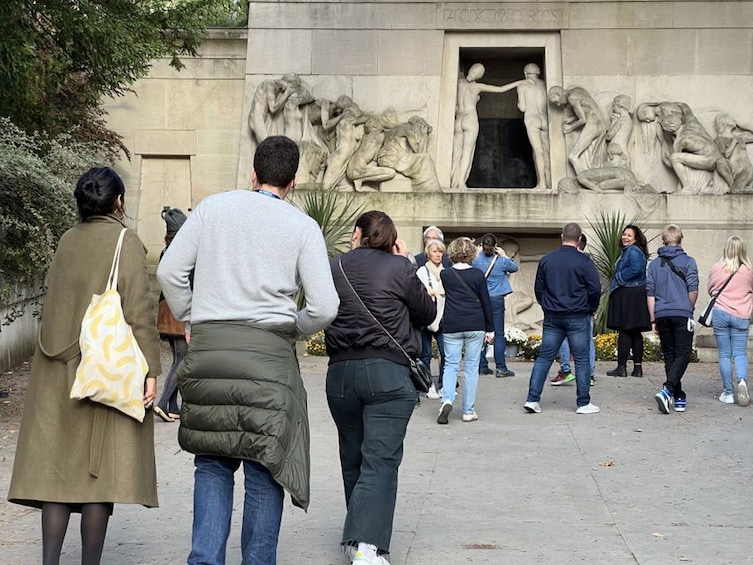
column 112, row 281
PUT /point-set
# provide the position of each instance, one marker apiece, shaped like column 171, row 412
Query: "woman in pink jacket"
column 731, row 317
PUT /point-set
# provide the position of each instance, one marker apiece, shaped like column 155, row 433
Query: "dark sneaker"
column 680, row 404
column 486, row 371
column 504, row 373
column 566, row 378
column 663, row 400
column 556, row 379
column 620, row 371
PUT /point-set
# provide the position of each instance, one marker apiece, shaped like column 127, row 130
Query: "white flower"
column 515, row 336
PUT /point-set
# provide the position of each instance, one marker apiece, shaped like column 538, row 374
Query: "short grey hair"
column 440, row 235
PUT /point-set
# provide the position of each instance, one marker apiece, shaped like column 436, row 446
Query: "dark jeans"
column 577, row 330
column 371, row 402
column 498, row 311
column 676, row 345
column 169, row 399
column 426, row 337
column 627, row 340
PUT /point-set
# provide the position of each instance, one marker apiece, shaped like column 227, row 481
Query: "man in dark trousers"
column 568, row 289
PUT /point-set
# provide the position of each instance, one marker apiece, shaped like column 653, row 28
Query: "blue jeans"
column 453, row 349
column 565, row 353
column 577, row 331
column 498, row 311
column 371, row 402
column 426, row 337
column 731, row 335
column 676, row 337
column 213, row 509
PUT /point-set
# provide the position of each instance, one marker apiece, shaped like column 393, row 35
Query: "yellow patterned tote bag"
column 112, row 368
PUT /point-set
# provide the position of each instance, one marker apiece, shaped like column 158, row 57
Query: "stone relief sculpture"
column 532, row 102
column 405, row 150
column 621, row 126
column 735, row 166
column 268, row 100
column 342, row 147
column 362, row 167
column 583, row 113
column 347, row 138
column 469, row 91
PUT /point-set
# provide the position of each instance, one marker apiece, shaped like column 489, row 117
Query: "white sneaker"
column 727, row 398
column 361, row 559
column 433, row 394
column 743, row 399
column 532, row 407
column 444, row 412
column 588, row 409
column 472, row 417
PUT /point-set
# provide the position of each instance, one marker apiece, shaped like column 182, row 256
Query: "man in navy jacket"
column 568, row 289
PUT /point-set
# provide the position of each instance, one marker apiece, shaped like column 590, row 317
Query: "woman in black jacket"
column 369, row 390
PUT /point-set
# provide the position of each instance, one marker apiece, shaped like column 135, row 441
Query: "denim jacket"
column 630, row 269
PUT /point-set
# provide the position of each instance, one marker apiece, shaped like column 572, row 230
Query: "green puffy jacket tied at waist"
column 243, row 397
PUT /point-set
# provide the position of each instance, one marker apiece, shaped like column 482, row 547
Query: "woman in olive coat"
column 78, row 455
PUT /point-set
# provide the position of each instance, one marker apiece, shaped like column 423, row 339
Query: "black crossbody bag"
column 419, row 372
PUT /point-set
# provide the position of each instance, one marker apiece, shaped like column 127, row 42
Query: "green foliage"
column 58, row 58
column 605, row 251
column 335, row 212
column 36, row 199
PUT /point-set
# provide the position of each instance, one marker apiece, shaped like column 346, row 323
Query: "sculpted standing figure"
column 621, row 125
column 269, row 98
column 582, row 112
column 532, row 102
column 466, row 122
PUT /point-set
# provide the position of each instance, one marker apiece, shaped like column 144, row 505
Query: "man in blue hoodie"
column 672, row 289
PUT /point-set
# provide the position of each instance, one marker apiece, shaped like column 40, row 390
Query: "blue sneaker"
column 663, row 400
column 680, row 404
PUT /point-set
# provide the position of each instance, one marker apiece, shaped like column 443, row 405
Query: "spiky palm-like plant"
column 335, row 212
column 605, row 251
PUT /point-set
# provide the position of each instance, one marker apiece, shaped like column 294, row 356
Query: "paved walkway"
column 626, row 486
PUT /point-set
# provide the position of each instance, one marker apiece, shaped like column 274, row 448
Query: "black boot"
column 637, row 370
column 620, row 371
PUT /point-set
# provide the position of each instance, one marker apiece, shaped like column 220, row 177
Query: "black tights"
column 627, row 340
column 94, row 519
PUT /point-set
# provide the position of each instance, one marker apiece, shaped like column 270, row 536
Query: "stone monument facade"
column 596, row 120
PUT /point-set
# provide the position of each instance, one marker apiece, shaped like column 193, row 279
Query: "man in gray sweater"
column 243, row 397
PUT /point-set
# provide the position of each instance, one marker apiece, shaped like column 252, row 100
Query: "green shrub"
column 37, row 177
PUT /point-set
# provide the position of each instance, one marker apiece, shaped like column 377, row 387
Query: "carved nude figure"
column 582, row 112
column 362, row 167
column 404, row 150
column 621, row 125
column 269, row 98
column 346, row 133
column 692, row 146
column 532, row 102
column 735, row 166
column 466, row 122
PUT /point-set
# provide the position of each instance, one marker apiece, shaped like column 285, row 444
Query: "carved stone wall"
column 407, row 55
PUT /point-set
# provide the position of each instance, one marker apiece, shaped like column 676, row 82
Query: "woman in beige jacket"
column 74, row 455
